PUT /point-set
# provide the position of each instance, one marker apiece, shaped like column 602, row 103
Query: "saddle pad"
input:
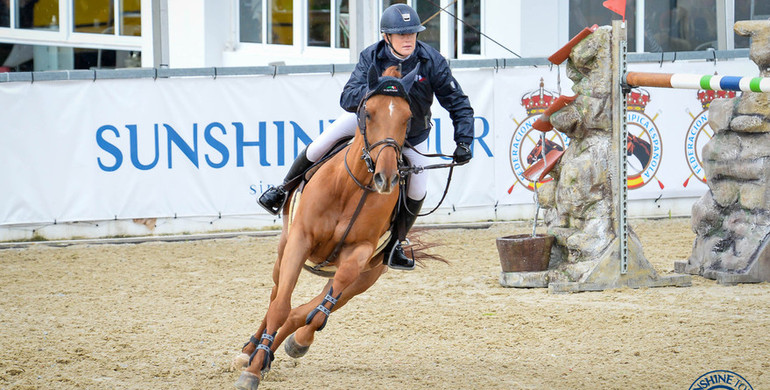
column 329, row 270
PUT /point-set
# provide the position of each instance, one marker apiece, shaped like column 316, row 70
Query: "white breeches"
column 346, row 125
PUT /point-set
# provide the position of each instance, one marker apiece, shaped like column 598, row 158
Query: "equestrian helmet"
column 400, row 19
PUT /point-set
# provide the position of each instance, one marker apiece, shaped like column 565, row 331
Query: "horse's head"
column 383, row 120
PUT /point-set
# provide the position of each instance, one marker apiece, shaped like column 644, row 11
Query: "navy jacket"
column 434, row 77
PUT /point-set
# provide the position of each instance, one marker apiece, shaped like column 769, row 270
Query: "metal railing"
column 495, row 63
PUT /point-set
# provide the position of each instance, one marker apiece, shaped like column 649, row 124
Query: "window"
column 342, row 18
column 250, row 13
column 750, row 10
column 586, row 13
column 30, row 14
column 471, row 39
column 430, row 16
column 272, row 22
column 672, row 25
column 280, row 22
column 94, row 35
column 680, row 25
column 321, row 24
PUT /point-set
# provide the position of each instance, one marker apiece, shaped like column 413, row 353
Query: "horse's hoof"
column 240, row 362
column 247, row 381
column 293, row 349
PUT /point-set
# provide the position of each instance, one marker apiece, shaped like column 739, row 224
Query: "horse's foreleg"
column 248, row 349
column 285, row 276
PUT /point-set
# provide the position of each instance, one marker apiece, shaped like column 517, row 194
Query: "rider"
column 399, row 46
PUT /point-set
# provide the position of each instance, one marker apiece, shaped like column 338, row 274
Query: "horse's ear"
column 373, row 79
column 408, row 80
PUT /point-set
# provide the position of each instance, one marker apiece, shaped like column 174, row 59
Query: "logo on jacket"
column 527, row 146
column 699, row 133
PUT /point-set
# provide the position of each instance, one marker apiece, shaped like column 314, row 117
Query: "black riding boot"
column 394, row 254
column 273, row 199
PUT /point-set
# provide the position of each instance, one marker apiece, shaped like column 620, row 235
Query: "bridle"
column 390, row 87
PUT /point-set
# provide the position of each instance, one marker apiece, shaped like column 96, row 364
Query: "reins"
column 405, row 170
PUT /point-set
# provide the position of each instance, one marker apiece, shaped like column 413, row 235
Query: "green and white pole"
column 692, row 81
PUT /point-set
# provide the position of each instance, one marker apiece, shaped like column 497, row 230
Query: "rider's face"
column 404, row 44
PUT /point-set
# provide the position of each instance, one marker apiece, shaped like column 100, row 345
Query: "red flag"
column 616, row 6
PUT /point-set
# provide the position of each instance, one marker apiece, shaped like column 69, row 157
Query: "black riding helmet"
column 400, row 19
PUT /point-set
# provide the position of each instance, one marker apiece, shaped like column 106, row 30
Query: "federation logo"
column 720, row 379
column 527, row 146
column 699, row 133
column 644, row 144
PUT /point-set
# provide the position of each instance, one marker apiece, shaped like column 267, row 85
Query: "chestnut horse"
column 345, row 208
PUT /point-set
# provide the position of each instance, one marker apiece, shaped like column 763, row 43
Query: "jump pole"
column 694, row 81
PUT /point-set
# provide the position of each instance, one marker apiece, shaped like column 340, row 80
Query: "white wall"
column 198, row 32
column 529, row 28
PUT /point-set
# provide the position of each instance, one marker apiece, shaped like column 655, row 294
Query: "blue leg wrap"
column 269, row 357
column 330, row 298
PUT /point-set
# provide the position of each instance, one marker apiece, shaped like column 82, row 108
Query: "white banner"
column 186, row 147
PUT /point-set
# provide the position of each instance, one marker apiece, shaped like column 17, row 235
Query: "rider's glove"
column 462, row 153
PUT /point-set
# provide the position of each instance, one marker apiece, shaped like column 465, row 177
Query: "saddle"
column 327, row 271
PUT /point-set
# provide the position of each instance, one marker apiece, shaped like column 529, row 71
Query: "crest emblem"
column 644, row 146
column 406, row 17
column 699, row 133
column 527, row 146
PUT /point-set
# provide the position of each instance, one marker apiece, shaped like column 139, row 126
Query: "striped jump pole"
column 692, row 81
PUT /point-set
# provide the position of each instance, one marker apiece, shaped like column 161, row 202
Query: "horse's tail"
column 421, row 248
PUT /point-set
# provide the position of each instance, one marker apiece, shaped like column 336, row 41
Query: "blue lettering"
column 484, row 133
column 217, row 145
column 240, row 143
column 133, row 133
column 109, row 148
column 173, row 138
column 281, row 142
column 301, row 135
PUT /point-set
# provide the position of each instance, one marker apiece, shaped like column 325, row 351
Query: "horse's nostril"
column 394, row 181
column 378, row 180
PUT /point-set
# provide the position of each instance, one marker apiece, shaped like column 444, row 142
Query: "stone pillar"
column 732, row 220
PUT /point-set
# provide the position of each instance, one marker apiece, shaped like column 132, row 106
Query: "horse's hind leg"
column 304, row 334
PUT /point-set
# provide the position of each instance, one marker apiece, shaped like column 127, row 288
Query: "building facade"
column 85, row 34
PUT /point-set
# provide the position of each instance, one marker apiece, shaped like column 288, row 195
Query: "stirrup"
column 392, row 253
column 273, row 209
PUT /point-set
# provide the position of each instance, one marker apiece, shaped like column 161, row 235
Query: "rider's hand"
column 462, row 153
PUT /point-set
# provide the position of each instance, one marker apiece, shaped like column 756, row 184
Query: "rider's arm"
column 356, row 87
column 454, row 100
